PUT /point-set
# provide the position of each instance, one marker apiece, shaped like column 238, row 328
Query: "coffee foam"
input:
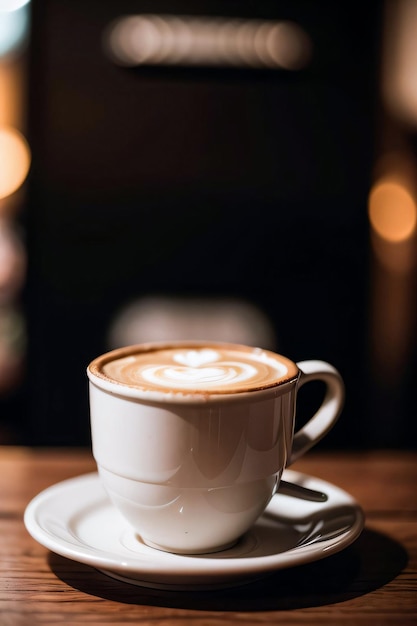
column 205, row 369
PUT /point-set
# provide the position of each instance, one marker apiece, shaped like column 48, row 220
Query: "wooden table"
column 373, row 581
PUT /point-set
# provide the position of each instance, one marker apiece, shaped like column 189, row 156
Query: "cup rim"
column 99, row 379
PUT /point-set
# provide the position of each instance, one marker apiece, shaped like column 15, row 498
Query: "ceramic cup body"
column 192, row 472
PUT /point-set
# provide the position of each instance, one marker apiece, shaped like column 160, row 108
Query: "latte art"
column 178, row 377
column 206, row 369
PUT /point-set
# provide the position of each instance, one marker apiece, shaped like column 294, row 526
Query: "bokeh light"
column 15, row 160
column 399, row 57
column 187, row 40
column 161, row 318
column 12, row 262
column 392, row 210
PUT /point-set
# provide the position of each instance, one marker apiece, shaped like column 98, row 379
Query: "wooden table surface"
column 373, row 581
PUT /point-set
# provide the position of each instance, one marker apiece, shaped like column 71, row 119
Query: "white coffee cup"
column 191, row 438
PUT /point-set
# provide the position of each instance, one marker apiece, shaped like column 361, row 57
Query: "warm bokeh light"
column 399, row 59
column 12, row 93
column 188, row 40
column 288, row 46
column 15, row 160
column 392, row 211
column 393, row 218
column 161, row 318
column 12, row 262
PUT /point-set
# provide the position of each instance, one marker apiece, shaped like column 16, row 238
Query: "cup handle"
column 326, row 416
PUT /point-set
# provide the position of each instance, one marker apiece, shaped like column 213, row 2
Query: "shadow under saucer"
column 372, row 561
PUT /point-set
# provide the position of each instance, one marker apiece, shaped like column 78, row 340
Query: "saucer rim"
column 214, row 573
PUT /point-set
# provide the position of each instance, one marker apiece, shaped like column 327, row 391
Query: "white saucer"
column 75, row 519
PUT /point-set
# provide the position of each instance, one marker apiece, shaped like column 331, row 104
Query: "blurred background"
column 242, row 171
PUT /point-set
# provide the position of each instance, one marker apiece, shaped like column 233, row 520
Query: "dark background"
column 214, row 182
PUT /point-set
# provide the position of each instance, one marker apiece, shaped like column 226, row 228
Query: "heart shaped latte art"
column 205, row 374
column 195, row 358
column 196, row 368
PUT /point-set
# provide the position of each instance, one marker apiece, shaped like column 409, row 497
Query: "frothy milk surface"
column 212, row 369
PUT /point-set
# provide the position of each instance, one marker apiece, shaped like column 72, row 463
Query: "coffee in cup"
column 191, row 438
